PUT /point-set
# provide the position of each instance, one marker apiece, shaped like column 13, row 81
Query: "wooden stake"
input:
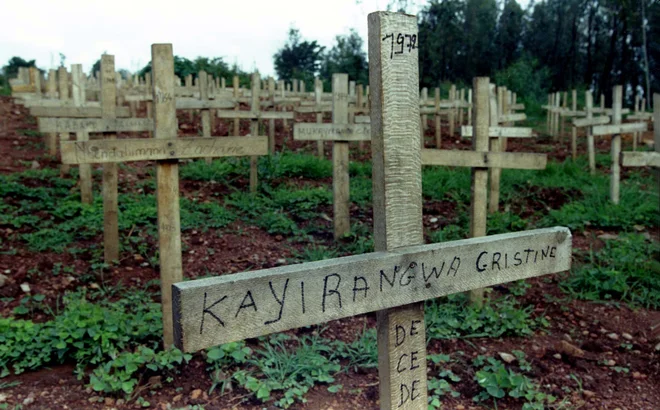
column 85, row 170
column 617, row 100
column 318, row 93
column 254, row 128
column 438, row 122
column 237, row 108
column 478, row 200
column 340, row 163
column 495, row 146
column 167, row 183
column 205, row 113
column 573, row 129
column 63, row 87
column 110, row 207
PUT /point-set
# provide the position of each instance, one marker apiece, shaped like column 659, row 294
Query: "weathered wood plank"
column 141, row 149
column 512, row 117
column 619, row 128
column 74, row 112
column 227, row 308
column 331, row 132
column 509, row 160
column 640, row 159
column 47, row 124
column 193, row 104
column 496, row 132
column 362, row 119
column 590, row 121
column 261, row 115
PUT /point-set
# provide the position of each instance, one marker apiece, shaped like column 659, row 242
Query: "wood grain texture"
column 397, row 197
column 332, row 132
column 510, row 160
column 495, row 146
column 74, row 112
column 619, row 128
column 640, row 159
column 479, row 186
column 167, row 183
column 84, row 170
column 105, row 124
column 615, row 170
column 340, row 163
column 254, row 127
column 337, row 288
column 495, row 132
column 140, row 149
column 109, row 178
column 590, row 120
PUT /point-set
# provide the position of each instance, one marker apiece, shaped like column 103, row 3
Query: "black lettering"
column 456, row 261
column 357, row 289
column 207, row 310
column 302, row 295
column 405, row 398
column 383, row 275
column 413, row 327
column 528, row 251
column 399, row 331
column 244, row 306
column 516, row 257
column 506, row 261
column 496, row 261
column 412, row 390
column 485, row 265
column 544, row 253
column 332, row 291
column 434, row 271
column 280, row 302
column 413, row 359
column 536, row 255
column 405, row 274
column 553, row 252
column 398, row 365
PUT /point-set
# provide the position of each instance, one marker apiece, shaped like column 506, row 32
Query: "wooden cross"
column 588, row 122
column 254, row 115
column 166, row 149
column 340, row 132
column 639, row 114
column 616, row 129
column 319, row 108
column 394, row 280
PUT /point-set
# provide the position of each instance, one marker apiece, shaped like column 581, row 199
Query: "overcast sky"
column 247, row 32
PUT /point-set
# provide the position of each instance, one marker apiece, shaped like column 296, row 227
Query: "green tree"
column 11, row 69
column 347, row 56
column 480, row 29
column 298, row 59
column 509, row 33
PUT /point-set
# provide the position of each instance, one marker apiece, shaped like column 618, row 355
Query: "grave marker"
column 589, row 121
column 319, row 109
column 617, row 129
column 166, row 149
column 340, row 132
column 396, row 278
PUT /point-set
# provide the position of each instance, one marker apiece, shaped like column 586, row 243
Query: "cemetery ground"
column 78, row 333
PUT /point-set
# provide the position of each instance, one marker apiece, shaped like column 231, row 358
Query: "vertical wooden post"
column 63, row 88
column 167, row 183
column 340, row 179
column 237, row 107
column 469, row 110
column 213, row 90
column 574, row 129
column 318, row 93
column 495, row 146
column 359, row 103
column 562, row 119
column 202, row 83
column 656, row 130
column 423, row 98
column 461, row 98
column 617, row 100
column 271, row 121
column 397, row 183
column 636, row 134
column 110, row 207
column 547, row 115
column 591, row 148
column 602, row 101
column 254, row 127
column 438, row 122
column 452, row 110
column 84, row 170
column 478, row 200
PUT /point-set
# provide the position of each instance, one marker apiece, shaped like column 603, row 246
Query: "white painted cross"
column 616, row 129
column 395, row 279
column 588, row 122
column 340, row 132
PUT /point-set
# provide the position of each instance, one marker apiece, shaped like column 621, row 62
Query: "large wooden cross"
column 340, row 132
column 395, row 279
column 166, row 149
column 616, row 129
column 319, row 108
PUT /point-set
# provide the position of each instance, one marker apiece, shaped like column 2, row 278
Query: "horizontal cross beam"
column 260, row 115
column 194, row 104
column 495, row 132
column 474, row 159
column 619, row 128
column 153, row 149
column 95, row 124
column 74, row 112
column 640, row 159
column 588, row 122
column 209, row 312
column 332, row 132
column 512, row 117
